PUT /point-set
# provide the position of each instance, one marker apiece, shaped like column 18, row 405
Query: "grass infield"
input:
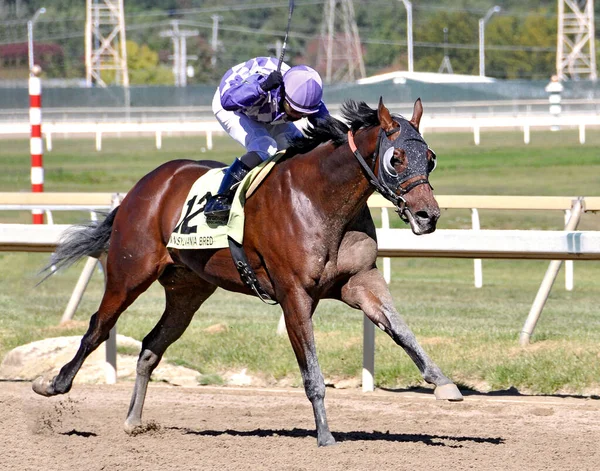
column 471, row 333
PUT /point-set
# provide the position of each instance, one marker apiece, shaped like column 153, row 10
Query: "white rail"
column 101, row 129
column 509, row 244
column 493, row 244
column 184, row 113
column 208, row 127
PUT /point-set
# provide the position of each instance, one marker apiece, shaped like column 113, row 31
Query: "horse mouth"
column 420, row 224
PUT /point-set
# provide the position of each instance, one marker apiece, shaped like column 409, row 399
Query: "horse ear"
column 417, row 113
column 385, row 118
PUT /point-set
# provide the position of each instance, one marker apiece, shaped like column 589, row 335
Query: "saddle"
column 193, row 231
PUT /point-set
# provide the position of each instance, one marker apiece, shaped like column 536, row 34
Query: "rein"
column 397, row 200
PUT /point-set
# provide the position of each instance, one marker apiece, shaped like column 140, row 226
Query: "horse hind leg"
column 185, row 292
column 123, row 286
column 369, row 292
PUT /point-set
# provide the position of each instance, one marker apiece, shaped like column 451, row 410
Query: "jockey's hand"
column 273, row 80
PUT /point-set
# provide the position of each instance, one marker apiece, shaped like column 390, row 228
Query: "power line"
column 225, row 8
column 274, row 5
column 276, row 33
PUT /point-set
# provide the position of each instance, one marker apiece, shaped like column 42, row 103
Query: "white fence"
column 567, row 244
column 475, row 124
column 500, row 107
column 98, row 130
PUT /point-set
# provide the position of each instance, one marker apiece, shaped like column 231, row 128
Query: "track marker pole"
column 36, row 145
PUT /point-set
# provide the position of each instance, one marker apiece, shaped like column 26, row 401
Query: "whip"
column 287, row 32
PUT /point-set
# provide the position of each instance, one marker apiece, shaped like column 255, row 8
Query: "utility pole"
column 180, row 56
column 30, row 25
column 482, row 22
column 576, row 48
column 348, row 63
column 409, row 34
column 445, row 65
column 215, row 44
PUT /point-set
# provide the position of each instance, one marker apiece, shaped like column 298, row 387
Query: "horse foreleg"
column 298, row 310
column 369, row 292
column 118, row 296
column 185, row 292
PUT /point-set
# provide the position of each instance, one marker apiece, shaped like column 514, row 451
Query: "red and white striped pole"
column 36, row 143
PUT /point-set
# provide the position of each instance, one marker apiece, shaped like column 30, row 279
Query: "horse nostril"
column 422, row 215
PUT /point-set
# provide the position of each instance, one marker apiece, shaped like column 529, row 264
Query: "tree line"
column 520, row 40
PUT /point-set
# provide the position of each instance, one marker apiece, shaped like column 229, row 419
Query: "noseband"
column 387, row 182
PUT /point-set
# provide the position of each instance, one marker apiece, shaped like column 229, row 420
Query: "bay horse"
column 321, row 245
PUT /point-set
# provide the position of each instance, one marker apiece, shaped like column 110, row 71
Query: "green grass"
column 471, row 333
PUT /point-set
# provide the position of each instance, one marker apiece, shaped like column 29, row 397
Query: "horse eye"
column 388, row 161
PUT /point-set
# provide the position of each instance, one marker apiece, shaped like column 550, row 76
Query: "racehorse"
column 322, row 244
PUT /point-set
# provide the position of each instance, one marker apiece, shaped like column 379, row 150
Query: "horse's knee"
column 147, row 361
column 314, row 388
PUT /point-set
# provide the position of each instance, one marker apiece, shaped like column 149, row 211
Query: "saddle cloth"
column 193, row 232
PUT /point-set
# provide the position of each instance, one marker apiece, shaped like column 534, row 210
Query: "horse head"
column 404, row 162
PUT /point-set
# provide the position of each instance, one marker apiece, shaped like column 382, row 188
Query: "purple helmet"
column 303, row 89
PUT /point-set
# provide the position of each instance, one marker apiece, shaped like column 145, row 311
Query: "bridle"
column 388, row 182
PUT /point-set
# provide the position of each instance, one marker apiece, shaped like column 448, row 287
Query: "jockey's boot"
column 217, row 208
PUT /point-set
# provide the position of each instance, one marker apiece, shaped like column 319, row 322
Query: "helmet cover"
column 303, row 89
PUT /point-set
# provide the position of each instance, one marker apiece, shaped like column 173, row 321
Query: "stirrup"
column 217, row 219
column 217, row 210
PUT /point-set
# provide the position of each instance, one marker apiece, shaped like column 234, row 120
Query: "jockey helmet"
column 303, row 89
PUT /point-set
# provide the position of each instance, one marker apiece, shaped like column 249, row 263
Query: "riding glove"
column 273, row 80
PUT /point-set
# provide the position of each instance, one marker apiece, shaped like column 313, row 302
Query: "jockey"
column 257, row 105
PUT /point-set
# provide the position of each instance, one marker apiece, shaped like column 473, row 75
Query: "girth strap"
column 247, row 274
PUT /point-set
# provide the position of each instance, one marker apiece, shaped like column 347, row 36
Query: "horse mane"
column 356, row 115
column 359, row 115
column 322, row 130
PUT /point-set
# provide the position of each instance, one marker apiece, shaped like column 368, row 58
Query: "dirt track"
column 255, row 429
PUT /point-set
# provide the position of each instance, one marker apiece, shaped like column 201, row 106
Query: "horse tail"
column 90, row 239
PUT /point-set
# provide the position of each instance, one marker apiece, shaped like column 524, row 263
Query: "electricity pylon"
column 576, row 50
column 339, row 33
column 105, row 48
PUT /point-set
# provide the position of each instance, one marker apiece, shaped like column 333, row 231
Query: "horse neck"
column 344, row 184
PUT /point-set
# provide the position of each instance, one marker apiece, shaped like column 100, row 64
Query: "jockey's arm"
column 243, row 93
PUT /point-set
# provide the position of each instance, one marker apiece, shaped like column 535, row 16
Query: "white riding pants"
column 263, row 138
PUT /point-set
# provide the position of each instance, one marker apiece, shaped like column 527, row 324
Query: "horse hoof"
column 42, row 387
column 448, row 392
column 327, row 441
column 133, row 429
column 137, row 428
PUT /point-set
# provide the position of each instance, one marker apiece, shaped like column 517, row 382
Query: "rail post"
column 477, row 264
column 548, row 281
